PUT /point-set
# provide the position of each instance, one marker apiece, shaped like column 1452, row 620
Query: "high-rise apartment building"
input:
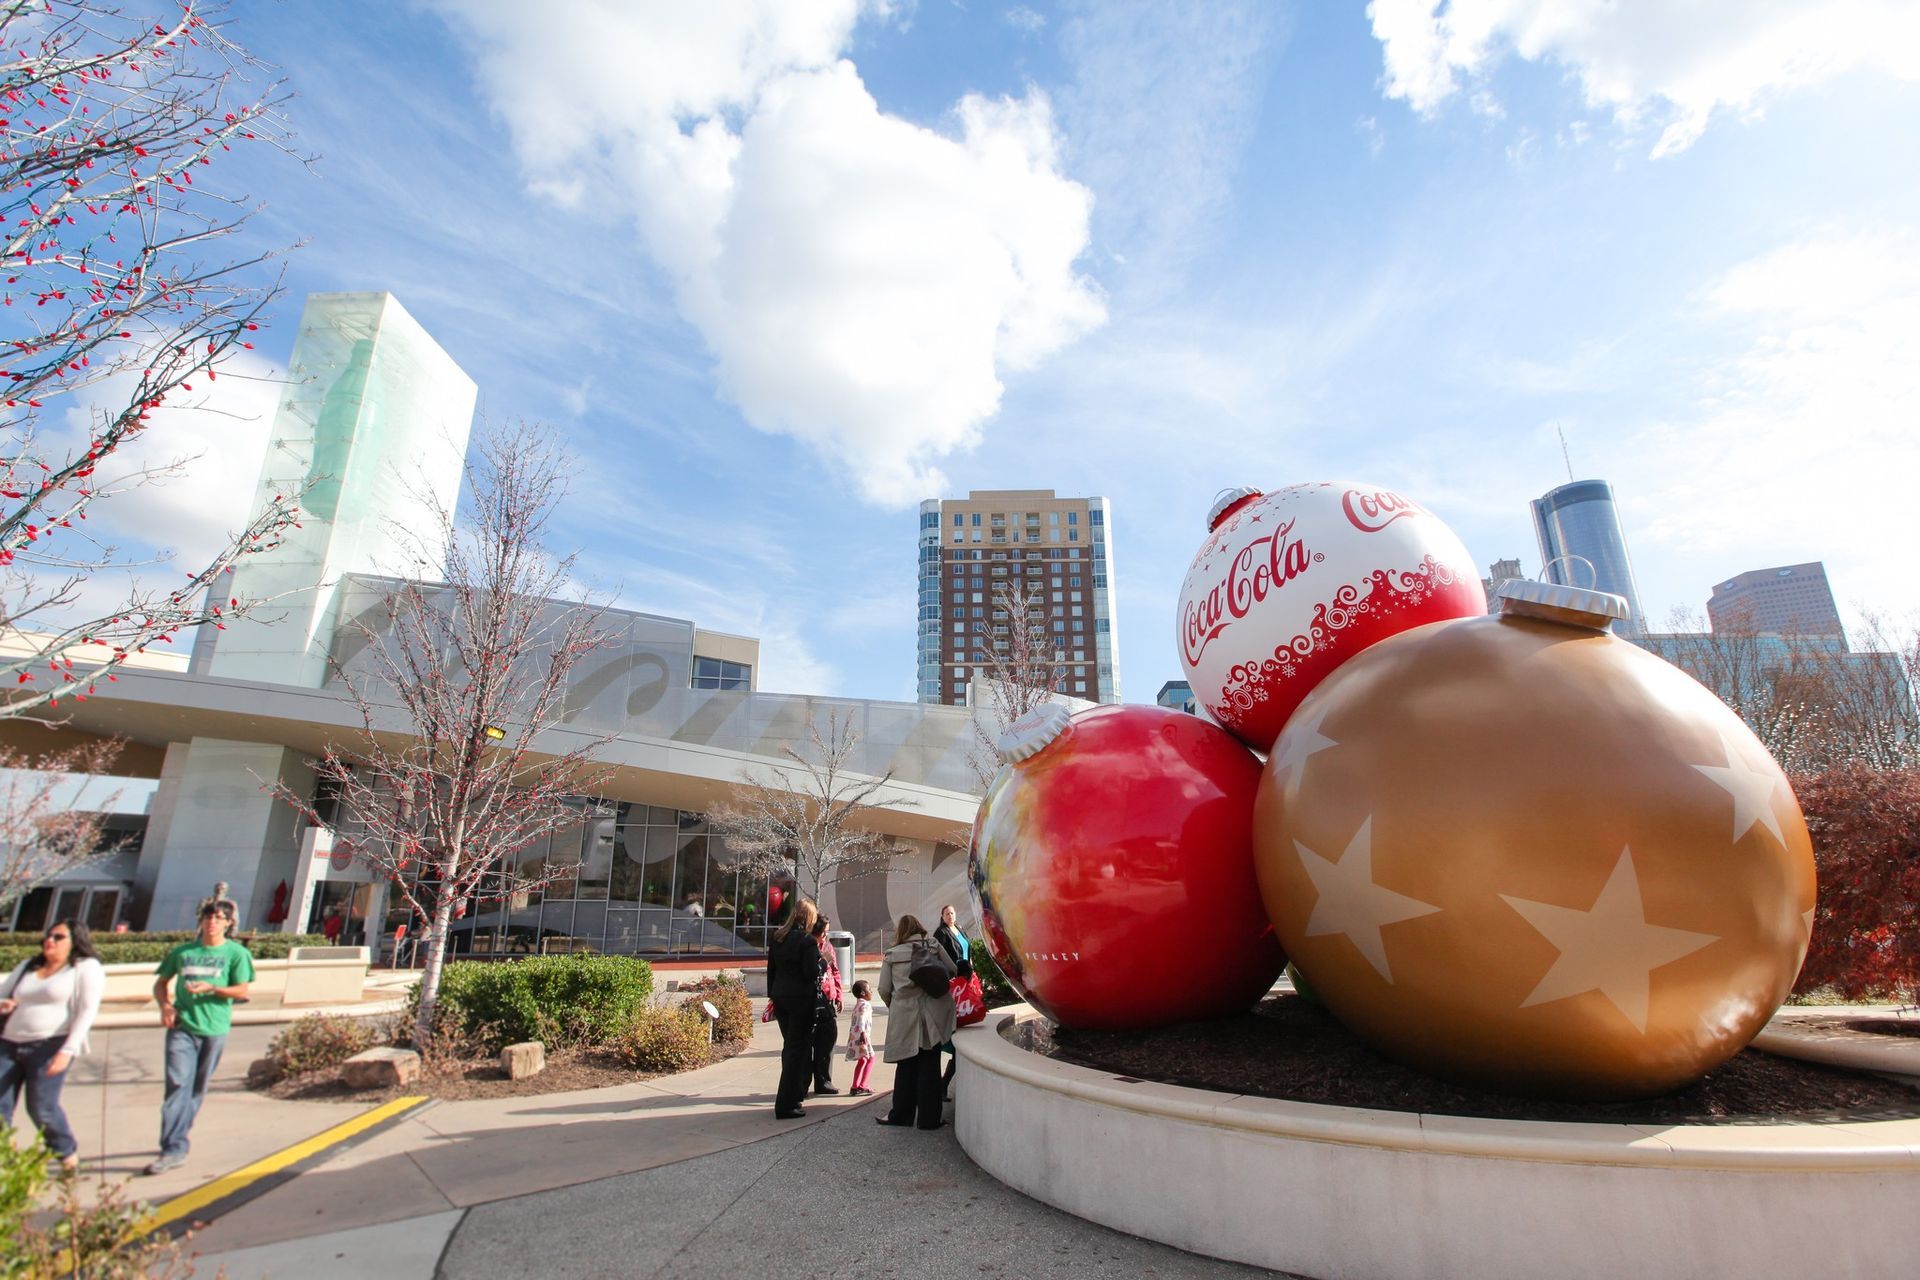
column 1577, row 522
column 1055, row 553
column 1791, row 600
column 1499, row 573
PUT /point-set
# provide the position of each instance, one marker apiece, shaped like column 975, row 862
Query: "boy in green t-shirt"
column 195, row 987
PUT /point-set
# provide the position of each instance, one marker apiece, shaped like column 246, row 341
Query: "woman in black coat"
column 793, row 980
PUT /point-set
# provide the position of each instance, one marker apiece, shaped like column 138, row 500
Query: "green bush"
column 152, row 948
column 728, row 994
column 666, row 1040
column 53, row 1226
column 318, row 1041
column 557, row 1000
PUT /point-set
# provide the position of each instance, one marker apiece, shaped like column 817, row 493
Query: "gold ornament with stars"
column 1520, row 851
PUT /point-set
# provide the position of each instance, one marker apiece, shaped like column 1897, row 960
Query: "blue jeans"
column 191, row 1060
column 27, row 1064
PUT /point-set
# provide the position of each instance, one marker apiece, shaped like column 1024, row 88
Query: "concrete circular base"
column 1338, row 1192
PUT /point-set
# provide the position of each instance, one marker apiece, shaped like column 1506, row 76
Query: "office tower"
column 1499, row 573
column 1055, row 552
column 1177, row 695
column 1791, row 600
column 1576, row 522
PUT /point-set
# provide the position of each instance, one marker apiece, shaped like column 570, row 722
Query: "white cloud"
column 217, row 436
column 1023, row 19
column 1800, row 444
column 862, row 281
column 1676, row 64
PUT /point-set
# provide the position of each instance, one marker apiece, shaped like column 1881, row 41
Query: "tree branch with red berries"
column 115, row 302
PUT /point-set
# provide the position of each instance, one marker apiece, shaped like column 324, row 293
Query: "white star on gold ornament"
column 1348, row 901
column 1752, row 791
column 1609, row 948
column 1301, row 741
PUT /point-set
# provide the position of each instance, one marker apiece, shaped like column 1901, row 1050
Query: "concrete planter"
column 1336, row 1192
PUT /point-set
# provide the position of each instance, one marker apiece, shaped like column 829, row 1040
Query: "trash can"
column 843, row 954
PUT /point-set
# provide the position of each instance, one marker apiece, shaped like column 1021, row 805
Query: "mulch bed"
column 1886, row 1027
column 1293, row 1049
column 567, row 1070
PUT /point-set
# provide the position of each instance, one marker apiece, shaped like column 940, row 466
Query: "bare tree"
column 112, row 312
column 805, row 816
column 1811, row 701
column 1025, row 666
column 42, row 832
column 449, row 783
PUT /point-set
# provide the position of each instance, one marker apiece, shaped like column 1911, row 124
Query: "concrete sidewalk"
column 689, row 1175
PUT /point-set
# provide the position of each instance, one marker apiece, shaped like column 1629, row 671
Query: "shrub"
column 1866, row 846
column 666, row 1040
column 728, row 994
column 318, row 1041
column 152, row 948
column 992, row 981
column 80, row 1229
column 557, row 1000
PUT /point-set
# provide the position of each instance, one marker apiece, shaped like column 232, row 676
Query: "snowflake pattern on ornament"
column 1387, row 591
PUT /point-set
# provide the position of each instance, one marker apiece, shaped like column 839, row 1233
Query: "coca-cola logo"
column 1263, row 565
column 1372, row 512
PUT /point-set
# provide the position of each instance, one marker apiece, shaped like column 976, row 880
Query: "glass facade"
column 1577, row 522
column 627, row 879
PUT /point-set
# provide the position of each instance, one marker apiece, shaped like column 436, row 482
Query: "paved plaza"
column 672, row 1177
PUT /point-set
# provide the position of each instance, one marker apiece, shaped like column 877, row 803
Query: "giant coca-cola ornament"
column 1112, row 865
column 1292, row 583
column 1521, row 851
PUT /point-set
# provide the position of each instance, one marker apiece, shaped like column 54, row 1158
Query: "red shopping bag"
column 969, row 1000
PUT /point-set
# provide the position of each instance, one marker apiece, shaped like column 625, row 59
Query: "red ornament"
column 1292, row 583
column 1112, row 866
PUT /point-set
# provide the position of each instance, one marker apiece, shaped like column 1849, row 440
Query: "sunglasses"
column 58, row 937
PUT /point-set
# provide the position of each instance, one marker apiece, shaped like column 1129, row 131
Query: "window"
column 1079, row 686
column 1073, row 535
column 712, row 673
column 1096, row 516
column 959, row 628
column 959, row 597
column 1077, row 626
column 976, row 582
column 976, row 535
column 1059, row 626
column 979, row 613
column 1056, row 582
column 1073, row 580
column 957, row 519
column 976, row 597
column 1053, row 517
column 956, row 536
column 1053, row 535
column 976, row 520
column 1073, row 517
column 1076, row 611
column 1058, row 597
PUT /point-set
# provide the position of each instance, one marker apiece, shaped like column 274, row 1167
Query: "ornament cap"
column 1029, row 735
column 1225, row 501
column 1557, row 602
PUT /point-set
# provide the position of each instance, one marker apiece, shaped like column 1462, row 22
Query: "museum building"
column 375, row 427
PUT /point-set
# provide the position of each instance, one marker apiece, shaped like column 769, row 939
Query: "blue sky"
column 775, row 270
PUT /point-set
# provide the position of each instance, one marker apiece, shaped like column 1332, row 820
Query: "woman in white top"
column 49, row 1003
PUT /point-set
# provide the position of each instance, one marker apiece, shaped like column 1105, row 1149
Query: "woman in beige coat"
column 917, row 1025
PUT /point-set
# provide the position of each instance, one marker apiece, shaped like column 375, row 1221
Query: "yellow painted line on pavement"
column 221, row 1188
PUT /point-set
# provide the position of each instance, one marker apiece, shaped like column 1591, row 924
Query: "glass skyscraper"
column 1577, row 522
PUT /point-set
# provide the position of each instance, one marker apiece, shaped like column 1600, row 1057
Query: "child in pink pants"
column 860, row 1039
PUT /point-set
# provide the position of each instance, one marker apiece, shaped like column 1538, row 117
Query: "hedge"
column 557, row 1000
column 666, row 1040
column 1865, row 825
column 152, row 948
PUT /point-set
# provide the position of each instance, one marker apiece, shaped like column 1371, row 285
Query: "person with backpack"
column 920, row 1018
